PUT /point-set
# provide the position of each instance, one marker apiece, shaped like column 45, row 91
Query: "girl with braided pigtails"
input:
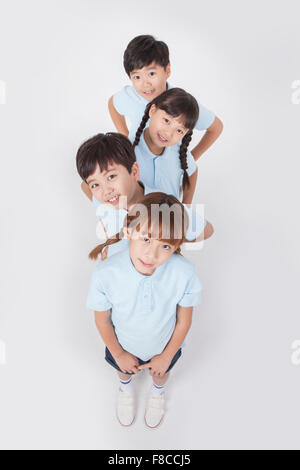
column 161, row 149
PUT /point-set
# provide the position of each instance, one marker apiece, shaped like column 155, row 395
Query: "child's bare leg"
column 124, row 377
column 160, row 380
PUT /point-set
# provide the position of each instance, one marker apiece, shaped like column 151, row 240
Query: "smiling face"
column 147, row 254
column 115, row 186
column 164, row 130
column 150, row 81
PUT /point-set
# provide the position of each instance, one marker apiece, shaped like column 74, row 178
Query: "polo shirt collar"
column 146, row 150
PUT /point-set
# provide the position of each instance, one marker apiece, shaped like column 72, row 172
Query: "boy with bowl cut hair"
column 147, row 64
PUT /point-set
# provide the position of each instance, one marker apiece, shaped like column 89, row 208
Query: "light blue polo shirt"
column 143, row 307
column 113, row 220
column 131, row 105
column 163, row 171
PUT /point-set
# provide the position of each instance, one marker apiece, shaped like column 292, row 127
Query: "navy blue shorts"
column 109, row 358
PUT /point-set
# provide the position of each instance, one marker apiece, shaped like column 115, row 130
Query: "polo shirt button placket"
column 147, row 294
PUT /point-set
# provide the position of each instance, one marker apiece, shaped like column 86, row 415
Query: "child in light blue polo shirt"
column 143, row 300
column 147, row 64
column 129, row 103
column 112, row 221
column 108, row 167
column 162, row 148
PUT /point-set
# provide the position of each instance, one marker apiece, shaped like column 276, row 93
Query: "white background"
column 235, row 386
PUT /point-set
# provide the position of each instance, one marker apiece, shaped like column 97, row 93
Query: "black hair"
column 176, row 102
column 142, row 51
column 103, row 149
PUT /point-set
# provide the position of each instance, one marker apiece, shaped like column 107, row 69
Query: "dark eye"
column 166, row 120
column 111, row 176
column 152, row 73
column 94, row 186
column 136, row 77
column 167, row 247
column 145, row 239
column 180, row 131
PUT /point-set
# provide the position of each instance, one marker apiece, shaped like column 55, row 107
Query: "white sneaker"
column 155, row 410
column 125, row 408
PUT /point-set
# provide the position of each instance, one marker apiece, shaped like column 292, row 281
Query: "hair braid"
column 142, row 126
column 183, row 158
column 110, row 241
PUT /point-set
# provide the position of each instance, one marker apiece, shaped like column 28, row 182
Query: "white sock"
column 157, row 389
column 126, row 385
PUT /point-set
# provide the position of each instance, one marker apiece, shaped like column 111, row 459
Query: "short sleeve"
column 122, row 102
column 197, row 223
column 193, row 290
column 206, row 118
column 97, row 297
column 192, row 165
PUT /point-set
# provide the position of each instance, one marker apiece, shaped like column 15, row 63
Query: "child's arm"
column 210, row 136
column 182, row 327
column 126, row 361
column 207, row 233
column 160, row 363
column 188, row 193
column 85, row 188
column 117, row 118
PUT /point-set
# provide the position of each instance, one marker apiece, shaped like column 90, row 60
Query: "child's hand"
column 159, row 365
column 127, row 362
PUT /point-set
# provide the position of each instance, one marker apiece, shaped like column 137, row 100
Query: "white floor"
column 235, row 386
